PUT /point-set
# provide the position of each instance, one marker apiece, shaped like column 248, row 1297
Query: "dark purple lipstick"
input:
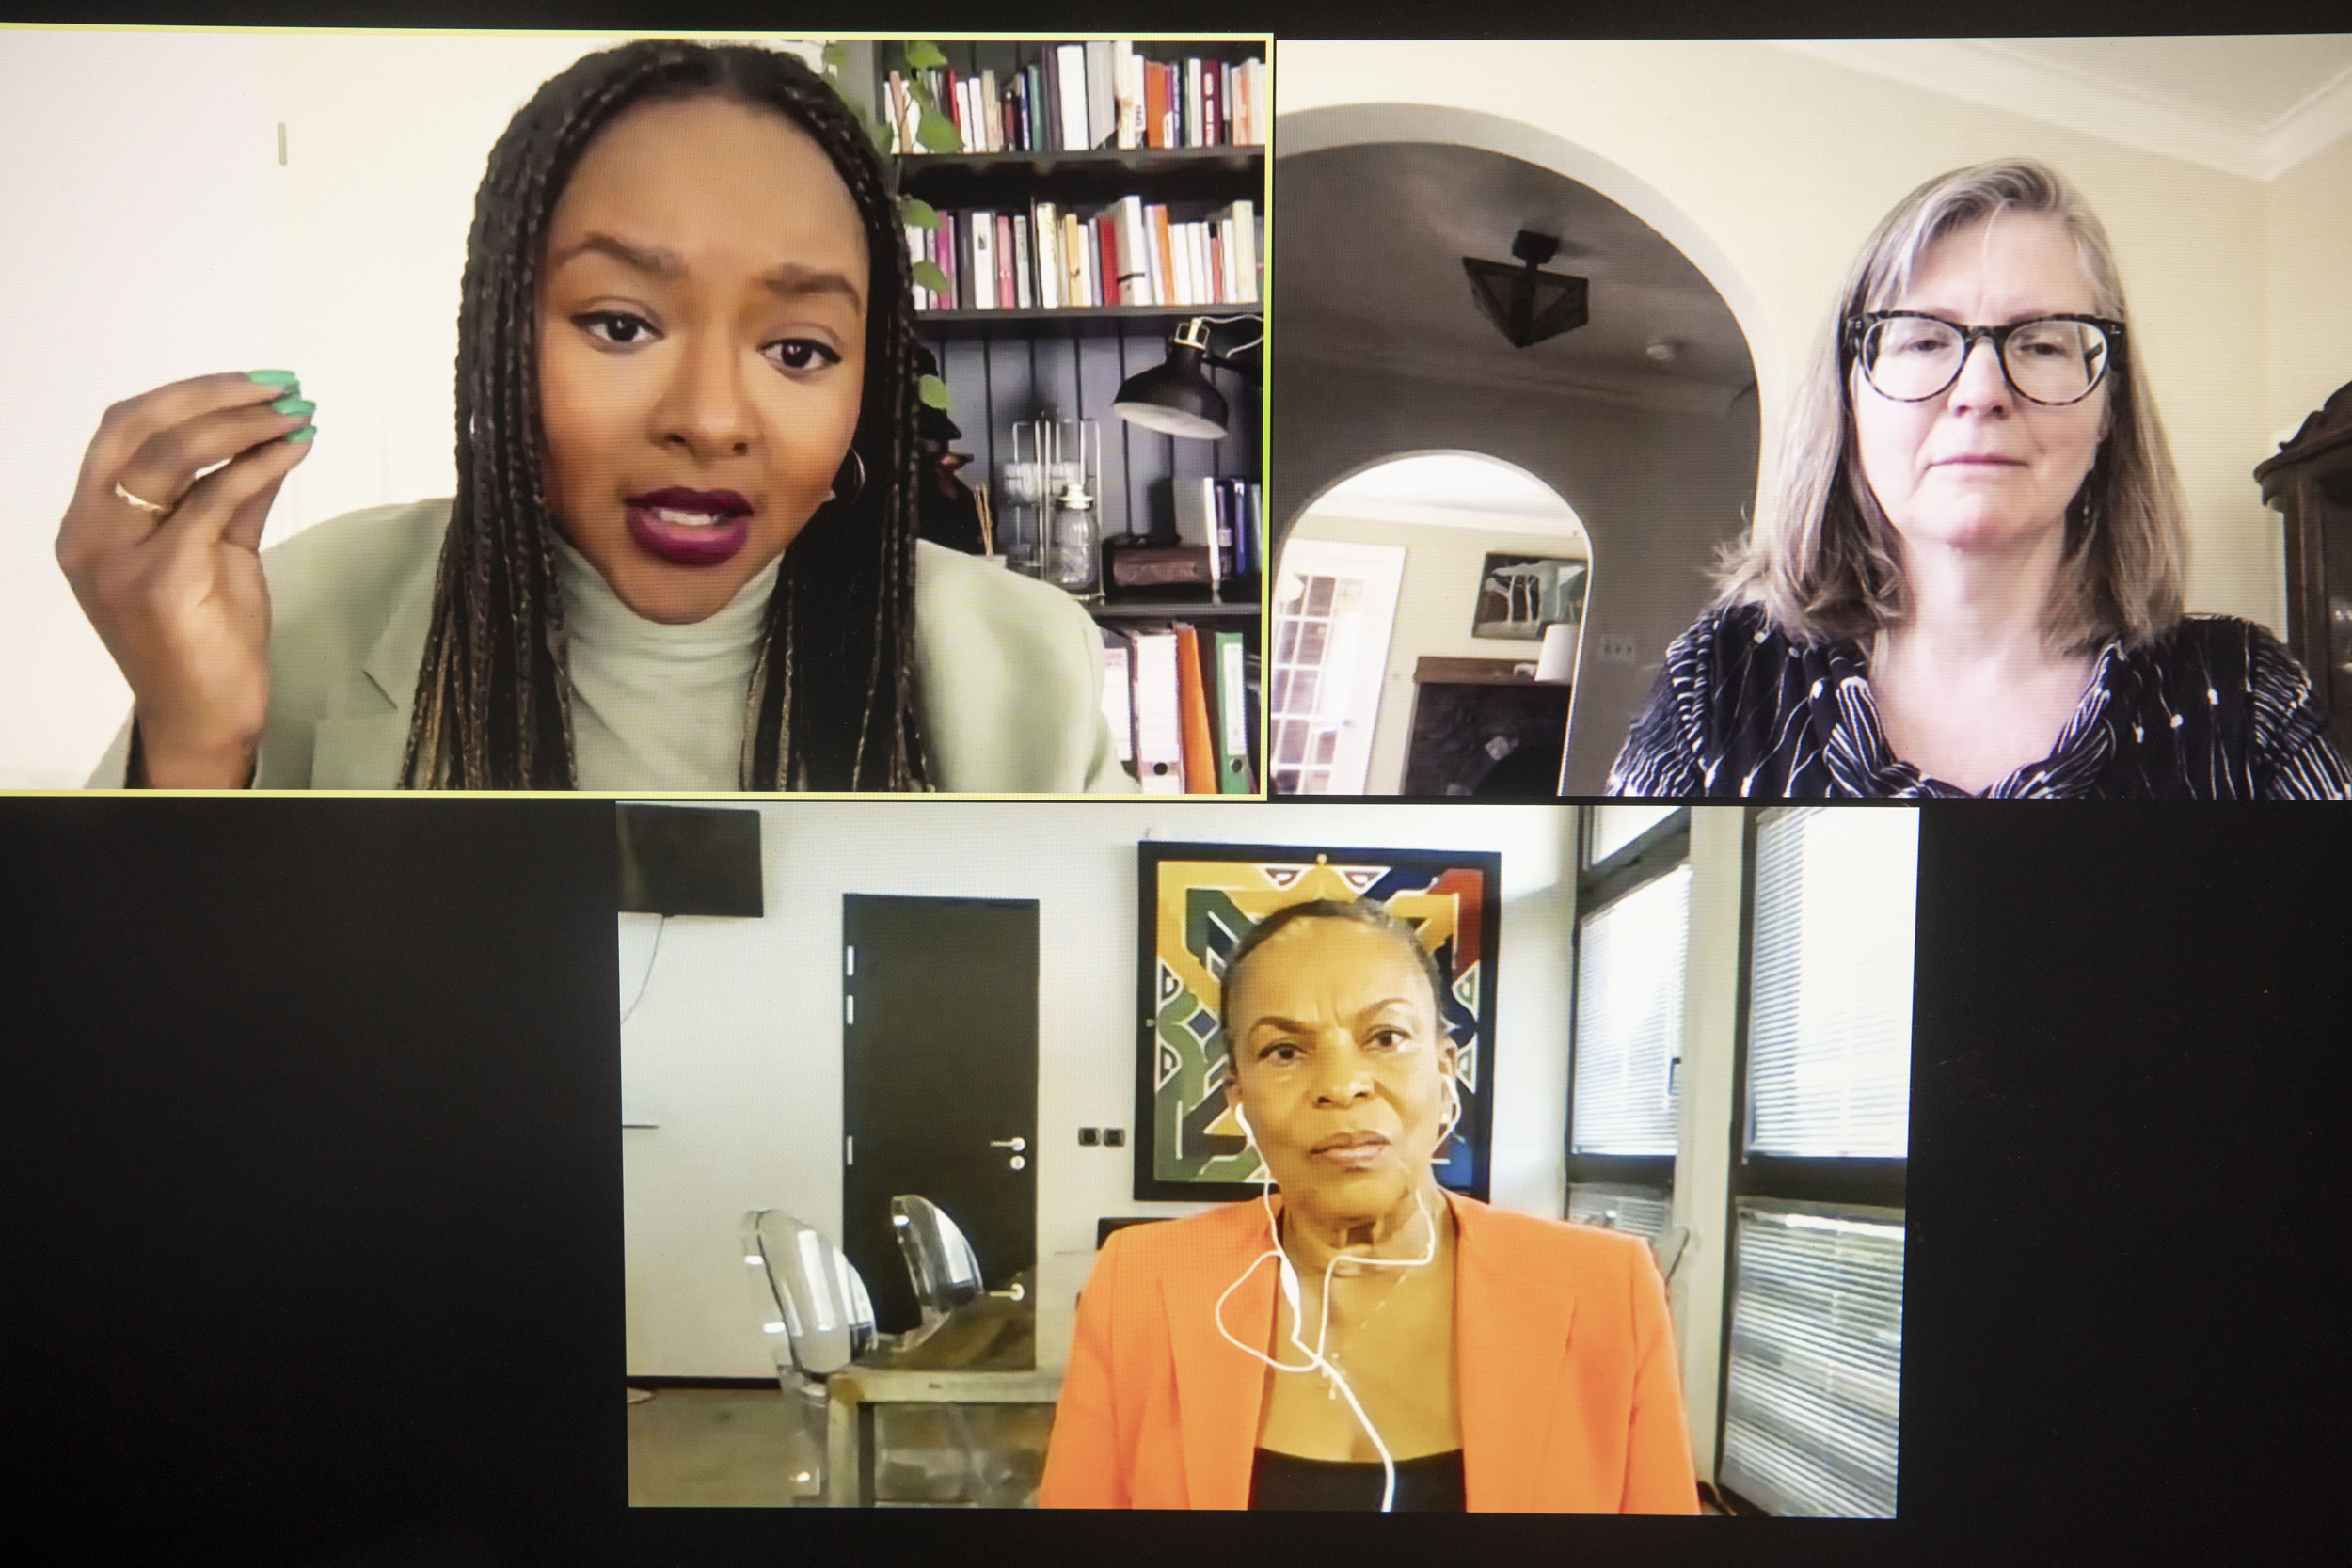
column 690, row 527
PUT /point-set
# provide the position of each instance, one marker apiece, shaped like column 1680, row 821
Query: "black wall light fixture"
column 1175, row 397
column 1526, row 304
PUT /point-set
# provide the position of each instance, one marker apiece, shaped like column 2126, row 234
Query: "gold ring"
column 150, row 507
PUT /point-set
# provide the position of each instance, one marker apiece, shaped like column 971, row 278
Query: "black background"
column 310, row 1171
column 312, row 1204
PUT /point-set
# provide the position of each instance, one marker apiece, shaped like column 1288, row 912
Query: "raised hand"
column 162, row 545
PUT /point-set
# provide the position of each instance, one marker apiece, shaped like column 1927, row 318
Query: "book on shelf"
column 918, row 249
column 1219, row 511
column 1128, row 253
column 1241, row 505
column 1119, row 708
column 981, row 275
column 1228, row 683
column 1101, row 95
column 1192, row 711
column 1159, row 727
column 1078, row 97
column 1178, row 697
column 1069, row 63
column 1046, row 225
column 1012, row 239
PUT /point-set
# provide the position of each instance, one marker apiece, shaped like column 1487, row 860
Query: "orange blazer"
column 1563, row 1355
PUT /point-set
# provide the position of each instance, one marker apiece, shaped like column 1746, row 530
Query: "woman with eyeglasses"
column 1968, row 581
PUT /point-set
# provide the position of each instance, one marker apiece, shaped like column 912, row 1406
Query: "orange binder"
column 1192, row 707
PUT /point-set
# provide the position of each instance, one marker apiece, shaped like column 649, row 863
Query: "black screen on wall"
column 689, row 859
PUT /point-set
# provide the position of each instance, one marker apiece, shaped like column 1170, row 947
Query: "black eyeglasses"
column 1911, row 356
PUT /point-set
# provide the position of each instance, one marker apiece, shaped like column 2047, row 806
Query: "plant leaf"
column 924, row 56
column 938, row 134
column 922, row 214
column 934, row 393
column 928, row 275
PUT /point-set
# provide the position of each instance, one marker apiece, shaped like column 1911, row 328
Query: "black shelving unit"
column 1107, row 321
column 1174, row 609
column 1004, row 367
column 1209, row 175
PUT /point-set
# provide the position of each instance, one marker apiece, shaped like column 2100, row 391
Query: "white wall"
column 1768, row 169
column 1444, row 564
column 2307, row 219
column 135, row 249
column 735, row 1047
column 150, row 233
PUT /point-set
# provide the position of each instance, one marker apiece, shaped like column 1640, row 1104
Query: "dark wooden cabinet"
column 2310, row 485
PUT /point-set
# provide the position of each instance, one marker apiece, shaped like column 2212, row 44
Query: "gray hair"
column 1820, row 559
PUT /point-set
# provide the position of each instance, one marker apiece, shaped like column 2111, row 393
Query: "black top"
column 1430, row 1484
column 2216, row 709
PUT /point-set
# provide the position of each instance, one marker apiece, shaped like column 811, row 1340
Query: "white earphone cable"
column 1316, row 1360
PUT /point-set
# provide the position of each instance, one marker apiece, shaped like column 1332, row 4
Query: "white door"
column 1334, row 607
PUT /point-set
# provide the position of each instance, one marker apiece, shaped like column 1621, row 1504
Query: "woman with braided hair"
column 683, row 550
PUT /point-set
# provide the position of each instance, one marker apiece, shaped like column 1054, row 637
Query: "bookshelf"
column 1005, row 366
column 1233, row 613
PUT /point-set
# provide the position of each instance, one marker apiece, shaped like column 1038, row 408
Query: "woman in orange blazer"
column 1367, row 1340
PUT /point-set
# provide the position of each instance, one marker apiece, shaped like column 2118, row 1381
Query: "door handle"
column 1016, row 1145
column 1016, row 1293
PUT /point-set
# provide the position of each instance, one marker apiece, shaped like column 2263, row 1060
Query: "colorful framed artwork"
column 1197, row 901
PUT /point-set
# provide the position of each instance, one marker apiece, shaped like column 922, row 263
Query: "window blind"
column 1816, row 1363
column 1829, row 1018
column 1628, row 1019
column 1642, row 1215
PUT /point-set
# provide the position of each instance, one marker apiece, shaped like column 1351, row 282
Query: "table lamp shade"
column 1557, row 662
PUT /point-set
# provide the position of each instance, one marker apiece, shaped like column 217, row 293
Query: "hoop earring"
column 856, row 490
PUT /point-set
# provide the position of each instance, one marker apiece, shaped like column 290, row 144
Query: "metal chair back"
column 940, row 1261
column 814, row 1310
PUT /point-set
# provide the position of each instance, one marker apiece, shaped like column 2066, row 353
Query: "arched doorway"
column 1427, row 617
column 1644, row 422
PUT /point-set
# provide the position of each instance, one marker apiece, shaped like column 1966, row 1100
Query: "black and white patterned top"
column 2214, row 710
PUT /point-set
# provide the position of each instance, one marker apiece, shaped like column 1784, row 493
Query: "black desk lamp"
column 1174, row 397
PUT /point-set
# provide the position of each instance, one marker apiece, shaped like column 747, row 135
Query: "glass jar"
column 1073, row 544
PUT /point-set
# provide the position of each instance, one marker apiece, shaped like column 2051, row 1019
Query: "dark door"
column 939, row 1082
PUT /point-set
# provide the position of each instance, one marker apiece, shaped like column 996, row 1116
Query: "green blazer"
column 1010, row 670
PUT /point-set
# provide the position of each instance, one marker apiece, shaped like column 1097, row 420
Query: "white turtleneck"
column 658, row 707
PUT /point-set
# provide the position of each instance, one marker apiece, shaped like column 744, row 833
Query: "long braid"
column 493, row 703
column 867, row 544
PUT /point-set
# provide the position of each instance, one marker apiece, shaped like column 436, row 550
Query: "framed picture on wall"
column 1197, row 901
column 1518, row 596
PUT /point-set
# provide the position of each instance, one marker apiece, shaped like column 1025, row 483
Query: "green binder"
column 1230, row 721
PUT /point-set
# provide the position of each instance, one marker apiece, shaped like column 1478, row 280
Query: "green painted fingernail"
column 274, row 378
column 293, row 405
column 304, row 434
